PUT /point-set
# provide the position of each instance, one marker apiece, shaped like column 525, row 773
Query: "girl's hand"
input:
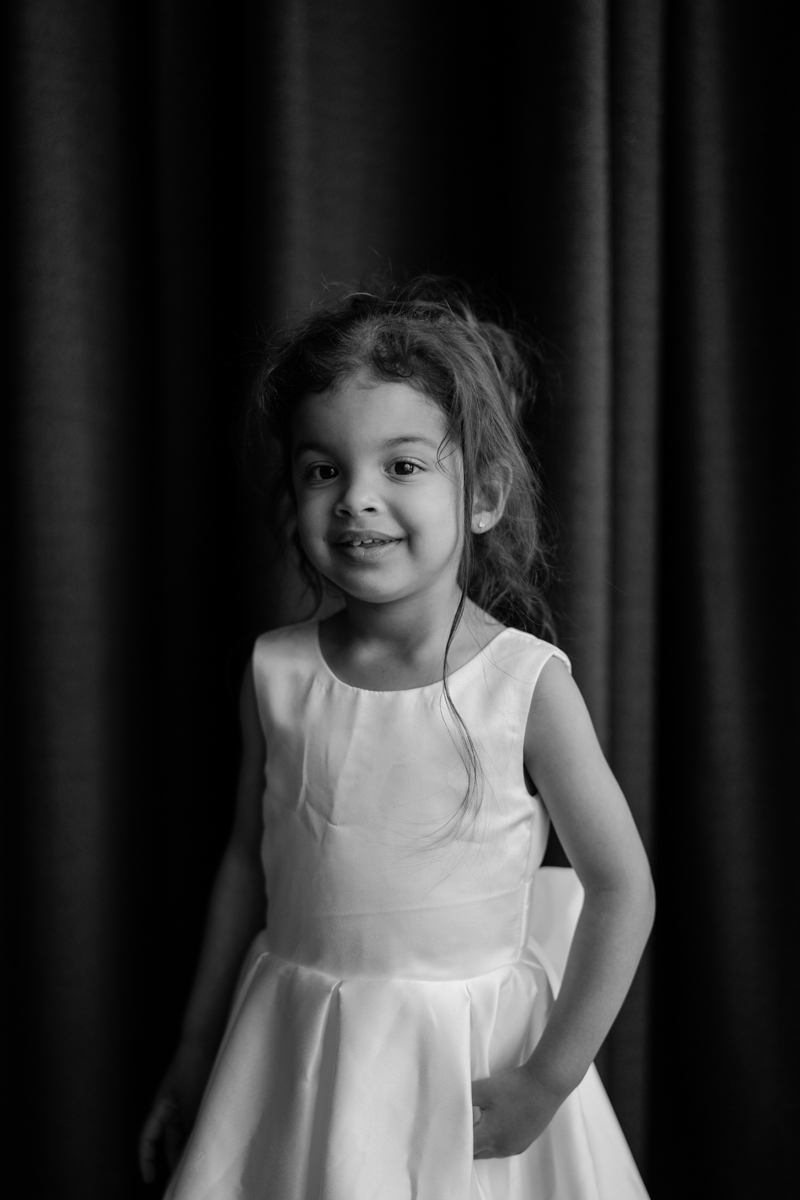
column 514, row 1108
column 174, row 1109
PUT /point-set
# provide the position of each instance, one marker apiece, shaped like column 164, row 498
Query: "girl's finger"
column 161, row 1111
column 153, row 1128
column 147, row 1146
column 174, row 1137
column 147, row 1154
column 476, row 1114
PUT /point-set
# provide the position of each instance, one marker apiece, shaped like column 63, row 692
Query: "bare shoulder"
column 276, row 653
column 555, row 677
column 564, row 758
column 556, row 695
column 247, row 827
column 252, row 733
column 559, row 726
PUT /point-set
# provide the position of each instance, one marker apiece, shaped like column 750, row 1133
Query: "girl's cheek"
column 304, row 510
column 301, row 516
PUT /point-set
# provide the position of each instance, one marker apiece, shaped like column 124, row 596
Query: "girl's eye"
column 404, row 468
column 321, row 472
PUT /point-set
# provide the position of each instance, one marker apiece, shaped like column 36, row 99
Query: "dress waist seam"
column 395, row 977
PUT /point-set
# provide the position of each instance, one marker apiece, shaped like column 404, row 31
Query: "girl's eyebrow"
column 302, row 447
column 412, row 437
column 402, row 440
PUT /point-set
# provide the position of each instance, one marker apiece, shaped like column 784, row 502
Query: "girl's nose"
column 357, row 497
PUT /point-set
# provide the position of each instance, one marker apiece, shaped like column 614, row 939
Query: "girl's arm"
column 236, row 914
column 597, row 831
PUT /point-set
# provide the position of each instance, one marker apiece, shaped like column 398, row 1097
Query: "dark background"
column 184, row 175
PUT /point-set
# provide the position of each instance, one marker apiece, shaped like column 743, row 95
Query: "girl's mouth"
column 368, row 542
column 365, row 549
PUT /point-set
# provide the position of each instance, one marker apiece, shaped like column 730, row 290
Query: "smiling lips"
column 364, row 537
column 365, row 545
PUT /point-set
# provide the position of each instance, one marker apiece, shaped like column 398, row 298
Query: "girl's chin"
column 358, row 586
column 367, row 595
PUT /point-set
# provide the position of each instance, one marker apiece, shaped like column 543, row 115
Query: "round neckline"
column 425, row 687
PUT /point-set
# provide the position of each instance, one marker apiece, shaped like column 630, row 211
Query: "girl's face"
column 377, row 514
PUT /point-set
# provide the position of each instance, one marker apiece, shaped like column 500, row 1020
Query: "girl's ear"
column 490, row 499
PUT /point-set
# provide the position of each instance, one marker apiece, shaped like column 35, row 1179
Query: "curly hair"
column 432, row 334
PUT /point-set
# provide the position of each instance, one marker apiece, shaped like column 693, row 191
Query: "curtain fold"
column 725, row 818
column 70, row 481
column 184, row 178
column 635, row 116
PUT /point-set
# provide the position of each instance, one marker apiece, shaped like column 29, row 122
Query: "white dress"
column 396, row 966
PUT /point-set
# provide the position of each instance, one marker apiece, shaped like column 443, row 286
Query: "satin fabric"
column 406, row 953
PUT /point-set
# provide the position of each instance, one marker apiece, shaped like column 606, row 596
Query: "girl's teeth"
column 368, row 542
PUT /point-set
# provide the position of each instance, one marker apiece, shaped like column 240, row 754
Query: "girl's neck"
column 411, row 622
column 394, row 647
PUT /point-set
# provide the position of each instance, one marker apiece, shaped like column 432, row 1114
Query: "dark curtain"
column 183, row 175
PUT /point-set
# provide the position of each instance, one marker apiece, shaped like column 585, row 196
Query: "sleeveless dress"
column 403, row 957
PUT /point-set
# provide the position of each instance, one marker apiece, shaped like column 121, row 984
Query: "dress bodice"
column 367, row 872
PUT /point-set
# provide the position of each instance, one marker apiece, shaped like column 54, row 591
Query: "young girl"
column 401, row 1029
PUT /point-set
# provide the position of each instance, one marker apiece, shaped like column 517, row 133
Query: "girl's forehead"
column 366, row 409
